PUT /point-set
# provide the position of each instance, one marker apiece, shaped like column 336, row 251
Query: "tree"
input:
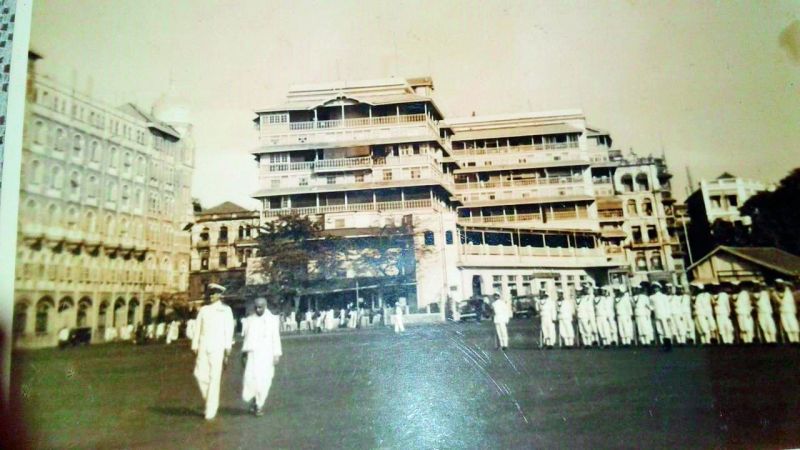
column 776, row 215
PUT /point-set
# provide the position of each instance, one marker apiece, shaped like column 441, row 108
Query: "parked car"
column 472, row 309
column 77, row 336
column 523, row 306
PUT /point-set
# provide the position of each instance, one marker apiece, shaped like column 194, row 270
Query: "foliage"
column 776, row 215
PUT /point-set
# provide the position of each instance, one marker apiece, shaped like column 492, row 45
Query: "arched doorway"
column 102, row 316
column 66, row 309
column 84, row 318
column 148, row 313
column 20, row 325
column 44, row 313
column 133, row 305
column 119, row 312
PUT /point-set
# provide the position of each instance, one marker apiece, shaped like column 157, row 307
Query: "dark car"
column 77, row 336
column 472, row 309
column 522, row 306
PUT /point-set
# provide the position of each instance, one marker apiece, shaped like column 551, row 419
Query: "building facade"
column 511, row 204
column 718, row 200
column 223, row 239
column 105, row 194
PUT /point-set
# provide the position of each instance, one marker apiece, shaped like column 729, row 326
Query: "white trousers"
column 679, row 328
column 664, row 328
column 625, row 329
column 502, row 334
column 399, row 327
column 208, row 372
column 644, row 325
column 588, row 329
column 789, row 323
column 746, row 328
column 767, row 325
column 258, row 375
column 548, row 331
column 567, row 331
column 705, row 325
column 725, row 328
column 604, row 330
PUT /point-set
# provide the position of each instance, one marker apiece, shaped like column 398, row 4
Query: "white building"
column 105, row 194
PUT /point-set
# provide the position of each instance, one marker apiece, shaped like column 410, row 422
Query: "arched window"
column 61, row 140
column 125, row 196
column 91, row 190
column 241, row 231
column 204, row 234
column 647, row 207
column 20, row 318
column 95, row 151
column 56, row 177
column 137, row 199
column 89, row 222
column 43, row 310
column 119, row 311
column 641, row 261
column 140, row 166
column 632, row 210
column 77, row 146
column 133, row 305
column 74, row 182
column 31, row 210
column 127, row 163
column 642, row 182
column 52, row 213
column 72, row 218
column 223, row 234
column 39, row 132
column 102, row 314
column 655, row 262
column 84, row 307
column 110, row 225
column 627, row 183
column 111, row 191
column 35, row 172
column 113, row 157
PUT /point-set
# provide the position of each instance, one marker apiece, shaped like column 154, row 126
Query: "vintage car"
column 523, row 306
column 77, row 336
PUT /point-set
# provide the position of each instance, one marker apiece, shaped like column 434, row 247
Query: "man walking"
column 261, row 350
column 399, row 327
column 502, row 314
column 212, row 341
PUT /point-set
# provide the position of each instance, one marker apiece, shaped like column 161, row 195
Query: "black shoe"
column 505, row 348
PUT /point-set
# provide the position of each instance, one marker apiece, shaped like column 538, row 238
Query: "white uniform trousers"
column 208, row 372
column 705, row 326
column 502, row 334
column 567, row 332
column 258, row 375
column 603, row 329
column 613, row 334
column 725, row 329
column 790, row 326
column 548, row 331
column 664, row 328
column 644, row 327
column 625, row 329
column 588, row 329
column 767, row 325
column 679, row 328
column 746, row 328
column 399, row 327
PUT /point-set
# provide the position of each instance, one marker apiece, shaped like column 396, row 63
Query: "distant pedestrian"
column 704, row 314
column 212, row 341
column 548, row 315
column 624, row 310
column 502, row 314
column 399, row 326
column 261, row 350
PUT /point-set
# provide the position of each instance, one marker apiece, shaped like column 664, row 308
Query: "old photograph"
column 407, row 225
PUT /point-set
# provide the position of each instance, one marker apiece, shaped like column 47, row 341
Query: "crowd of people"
column 665, row 314
column 351, row 317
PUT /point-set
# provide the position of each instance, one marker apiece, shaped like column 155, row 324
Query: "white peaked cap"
column 214, row 287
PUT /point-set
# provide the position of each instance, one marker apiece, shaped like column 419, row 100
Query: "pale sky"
column 716, row 85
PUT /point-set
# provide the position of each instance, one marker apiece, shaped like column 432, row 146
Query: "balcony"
column 343, row 164
column 482, row 185
column 315, row 133
column 537, row 195
column 355, row 207
column 537, row 218
column 611, row 216
column 513, row 256
column 508, row 150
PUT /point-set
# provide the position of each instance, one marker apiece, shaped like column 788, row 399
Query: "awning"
column 609, row 203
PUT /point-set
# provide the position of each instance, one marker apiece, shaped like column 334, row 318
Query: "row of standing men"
column 667, row 314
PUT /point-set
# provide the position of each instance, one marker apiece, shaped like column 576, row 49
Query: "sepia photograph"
column 400, row 225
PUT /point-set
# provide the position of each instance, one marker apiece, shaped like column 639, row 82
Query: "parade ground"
column 437, row 386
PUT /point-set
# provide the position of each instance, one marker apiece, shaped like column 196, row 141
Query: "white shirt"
column 566, row 310
column 623, row 306
column 743, row 305
column 722, row 308
column 661, row 306
column 262, row 334
column 763, row 304
column 787, row 302
column 642, row 305
column 214, row 328
column 502, row 312
column 702, row 304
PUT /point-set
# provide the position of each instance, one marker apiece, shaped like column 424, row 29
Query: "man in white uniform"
column 663, row 314
column 788, row 310
column 704, row 314
column 764, row 312
column 190, row 324
column 261, row 350
column 502, row 314
column 399, row 327
column 744, row 314
column 676, row 311
column 566, row 314
column 686, row 311
column 624, row 315
column 174, row 330
column 586, row 319
column 722, row 313
column 644, row 319
column 212, row 341
column 548, row 315
column 600, row 313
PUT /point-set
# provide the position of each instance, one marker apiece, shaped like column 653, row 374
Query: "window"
column 95, row 151
column 77, row 146
column 733, row 201
column 387, row 175
column 91, row 192
column 715, row 201
column 36, row 172
column 448, row 237
column 125, row 195
column 415, row 174
column 20, row 318
column 359, row 178
column 113, row 156
column 636, row 235
column 223, row 259
column 74, row 182
column 647, row 206
column 655, row 262
column 204, row 234
column 642, row 182
column 277, row 118
column 632, row 210
column 652, row 234
column 42, row 316
column 641, row 261
column 56, row 180
column 627, row 183
column 111, row 191
column 429, row 240
column 204, row 261
column 330, row 179
column 223, row 234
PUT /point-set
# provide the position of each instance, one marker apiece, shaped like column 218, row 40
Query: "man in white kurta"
column 788, row 310
column 261, row 350
column 212, row 341
column 173, row 331
column 502, row 314
column 764, row 313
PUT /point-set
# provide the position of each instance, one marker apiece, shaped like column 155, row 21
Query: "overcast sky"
column 715, row 85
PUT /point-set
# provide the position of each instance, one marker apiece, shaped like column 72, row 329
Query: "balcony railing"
column 354, row 207
column 323, row 131
column 362, row 162
column 512, row 250
column 515, row 149
column 531, row 217
column 520, row 182
column 612, row 215
column 528, row 195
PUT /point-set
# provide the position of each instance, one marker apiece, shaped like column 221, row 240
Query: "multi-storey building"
column 637, row 216
column 718, row 199
column 7, row 16
column 529, row 216
column 511, row 204
column 223, row 239
column 105, row 195
column 363, row 156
